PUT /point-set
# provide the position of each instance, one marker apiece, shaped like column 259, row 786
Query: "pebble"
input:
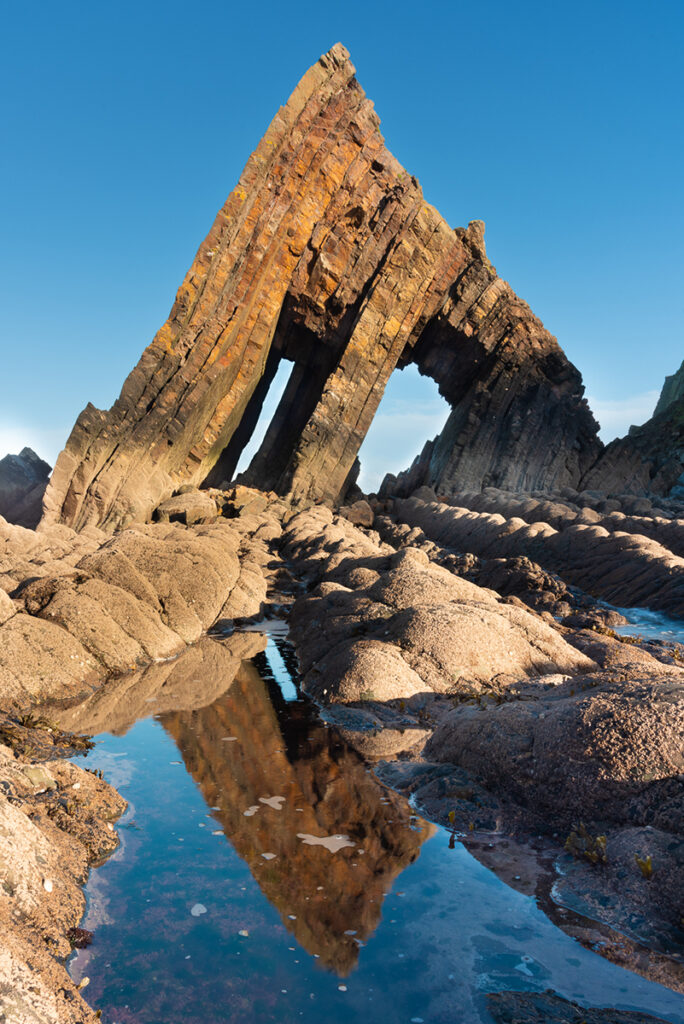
column 47, row 885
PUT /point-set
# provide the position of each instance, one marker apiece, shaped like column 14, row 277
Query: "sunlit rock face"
column 283, row 782
column 326, row 254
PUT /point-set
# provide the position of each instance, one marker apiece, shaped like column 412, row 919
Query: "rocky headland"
column 457, row 630
column 23, row 479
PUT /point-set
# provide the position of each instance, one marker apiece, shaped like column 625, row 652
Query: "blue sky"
column 125, row 126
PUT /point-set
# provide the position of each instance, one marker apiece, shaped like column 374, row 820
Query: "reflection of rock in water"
column 282, row 750
column 194, row 679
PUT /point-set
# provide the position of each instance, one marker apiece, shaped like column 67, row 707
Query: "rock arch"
column 327, row 254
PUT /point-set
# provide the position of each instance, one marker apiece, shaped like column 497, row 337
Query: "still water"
column 265, row 874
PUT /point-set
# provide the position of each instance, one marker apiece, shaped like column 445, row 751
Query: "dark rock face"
column 326, row 254
column 673, row 389
column 650, row 460
column 23, row 479
column 548, row 1008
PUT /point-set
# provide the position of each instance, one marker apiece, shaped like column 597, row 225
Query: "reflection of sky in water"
column 449, row 931
column 652, row 625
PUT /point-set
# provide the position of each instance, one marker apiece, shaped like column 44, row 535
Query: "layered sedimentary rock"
column 326, row 254
column 649, row 460
column 628, row 569
column 673, row 389
column 23, row 479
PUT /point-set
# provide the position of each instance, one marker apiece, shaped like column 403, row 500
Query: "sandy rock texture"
column 505, row 721
column 382, row 624
column 55, row 820
column 83, row 606
column 593, row 762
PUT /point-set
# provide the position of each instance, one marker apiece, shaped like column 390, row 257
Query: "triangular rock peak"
column 326, row 254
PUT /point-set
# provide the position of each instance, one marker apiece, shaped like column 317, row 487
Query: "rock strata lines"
column 326, row 254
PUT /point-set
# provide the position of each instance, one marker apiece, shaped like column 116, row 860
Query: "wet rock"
column 44, row 856
column 549, row 1008
column 595, row 618
column 595, row 749
column 639, row 901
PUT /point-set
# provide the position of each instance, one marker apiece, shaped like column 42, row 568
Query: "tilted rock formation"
column 673, row 389
column 23, row 479
column 326, row 254
column 649, row 460
column 625, row 567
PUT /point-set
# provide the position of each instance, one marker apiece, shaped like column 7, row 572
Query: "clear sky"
column 125, row 126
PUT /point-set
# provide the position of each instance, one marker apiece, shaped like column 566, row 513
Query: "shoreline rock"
column 55, row 822
column 486, row 709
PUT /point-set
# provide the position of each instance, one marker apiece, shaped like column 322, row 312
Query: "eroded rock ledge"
column 55, row 821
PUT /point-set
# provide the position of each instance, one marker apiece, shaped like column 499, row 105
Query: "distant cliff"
column 673, row 388
column 649, row 460
column 23, row 479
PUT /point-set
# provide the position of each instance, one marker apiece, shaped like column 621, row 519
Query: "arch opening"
column 411, row 412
